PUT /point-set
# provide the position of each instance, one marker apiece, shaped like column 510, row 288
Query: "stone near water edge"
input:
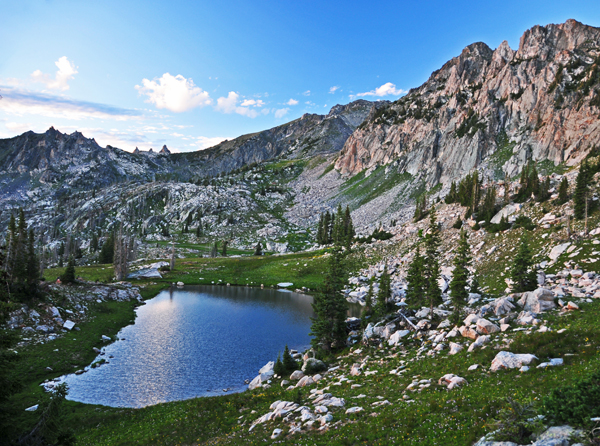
column 508, row 360
column 296, row 375
column 285, row 284
column 268, row 367
column 69, row 324
column 180, row 284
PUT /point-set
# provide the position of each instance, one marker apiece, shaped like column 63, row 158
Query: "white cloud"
column 334, row 89
column 66, row 72
column 18, row 127
column 292, row 102
column 23, row 102
column 281, row 112
column 204, row 142
column 229, row 104
column 306, row 93
column 386, row 89
column 252, row 103
column 175, row 93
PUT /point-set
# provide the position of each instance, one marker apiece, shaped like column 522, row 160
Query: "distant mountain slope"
column 500, row 108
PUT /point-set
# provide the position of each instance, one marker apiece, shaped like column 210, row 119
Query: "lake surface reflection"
column 195, row 341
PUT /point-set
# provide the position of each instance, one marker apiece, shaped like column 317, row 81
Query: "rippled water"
column 195, row 341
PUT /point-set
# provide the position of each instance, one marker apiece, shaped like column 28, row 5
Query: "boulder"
column 296, row 375
column 69, row 324
column 451, row 381
column 508, row 360
column 395, row 338
column 276, row 433
column 471, row 319
column 305, row 381
column 285, row 284
column 503, row 306
column 558, row 250
column 505, row 212
column 268, row 367
column 355, row 370
column 486, row 327
column 479, row 342
column 455, row 348
column 537, row 301
column 467, row 332
column 355, row 409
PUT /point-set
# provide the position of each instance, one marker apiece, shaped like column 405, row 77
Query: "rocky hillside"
column 491, row 108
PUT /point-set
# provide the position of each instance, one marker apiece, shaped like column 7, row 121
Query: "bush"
column 457, row 224
column 517, row 422
column 574, row 404
column 525, row 222
column 313, row 365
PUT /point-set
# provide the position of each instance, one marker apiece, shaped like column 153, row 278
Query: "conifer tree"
column 563, row 191
column 224, row 249
column 415, row 291
column 327, row 238
column 94, row 243
column 289, row 363
column 278, row 367
column 33, row 270
column 523, row 275
column 460, row 275
column 329, row 322
column 107, row 252
column 258, row 249
column 215, row 249
column 431, row 270
column 384, row 293
column 475, row 286
column 69, row 274
column 320, row 230
column 13, row 246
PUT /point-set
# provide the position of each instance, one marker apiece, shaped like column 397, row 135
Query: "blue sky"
column 191, row 73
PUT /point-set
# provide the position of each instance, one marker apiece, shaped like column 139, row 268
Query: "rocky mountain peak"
column 544, row 97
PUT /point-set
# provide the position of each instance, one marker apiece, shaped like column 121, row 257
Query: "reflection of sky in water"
column 193, row 342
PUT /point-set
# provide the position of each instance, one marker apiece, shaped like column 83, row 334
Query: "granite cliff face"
column 495, row 108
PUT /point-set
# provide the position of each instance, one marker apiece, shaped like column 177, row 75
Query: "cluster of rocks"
column 48, row 320
column 553, row 436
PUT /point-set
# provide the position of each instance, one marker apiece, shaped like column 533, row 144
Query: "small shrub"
column 522, row 221
column 574, row 404
column 517, row 422
column 457, row 224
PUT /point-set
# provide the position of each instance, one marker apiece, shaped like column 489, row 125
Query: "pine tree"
column 580, row 196
column 278, row 368
column 460, row 275
column 415, row 291
column 523, row 275
column 214, row 250
column 452, row 195
column 33, row 270
column 431, row 270
column 328, row 325
column 475, row 286
column 94, row 243
column 289, row 363
column 320, row 230
column 107, row 252
column 224, row 249
column 69, row 274
column 327, row 239
column 349, row 231
column 384, row 294
column 13, row 246
column 19, row 272
column 563, row 191
column 258, row 249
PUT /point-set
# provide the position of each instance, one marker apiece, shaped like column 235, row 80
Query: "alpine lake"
column 196, row 341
